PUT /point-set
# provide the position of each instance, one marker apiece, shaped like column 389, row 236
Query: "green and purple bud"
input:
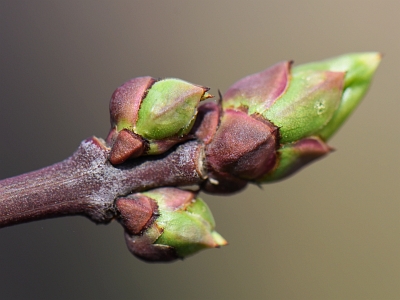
column 359, row 69
column 166, row 224
column 307, row 105
column 258, row 92
column 149, row 116
column 276, row 121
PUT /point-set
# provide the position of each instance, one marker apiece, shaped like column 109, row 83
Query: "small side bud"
column 158, row 113
column 169, row 109
column 181, row 224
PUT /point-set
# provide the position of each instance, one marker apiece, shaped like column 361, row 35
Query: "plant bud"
column 276, row 121
column 180, row 226
column 169, row 109
column 158, row 113
column 244, row 146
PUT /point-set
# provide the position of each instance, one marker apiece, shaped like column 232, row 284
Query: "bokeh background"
column 330, row 232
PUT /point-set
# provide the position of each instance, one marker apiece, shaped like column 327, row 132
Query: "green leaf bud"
column 159, row 114
column 181, row 225
column 169, row 109
column 306, row 105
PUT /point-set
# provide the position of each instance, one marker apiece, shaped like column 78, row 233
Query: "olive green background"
column 330, row 232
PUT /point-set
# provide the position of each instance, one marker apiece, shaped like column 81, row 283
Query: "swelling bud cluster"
column 275, row 122
column 264, row 128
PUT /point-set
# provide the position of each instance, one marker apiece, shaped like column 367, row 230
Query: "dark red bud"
column 244, row 146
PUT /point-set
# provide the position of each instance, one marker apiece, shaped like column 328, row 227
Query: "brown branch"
column 87, row 184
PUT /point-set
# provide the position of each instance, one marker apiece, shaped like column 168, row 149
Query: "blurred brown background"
column 330, row 232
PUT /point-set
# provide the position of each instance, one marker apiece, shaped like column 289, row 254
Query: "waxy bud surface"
column 158, row 113
column 303, row 106
column 181, row 224
column 169, row 109
column 308, row 104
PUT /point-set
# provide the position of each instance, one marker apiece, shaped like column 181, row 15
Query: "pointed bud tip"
column 369, row 60
column 218, row 239
column 360, row 69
